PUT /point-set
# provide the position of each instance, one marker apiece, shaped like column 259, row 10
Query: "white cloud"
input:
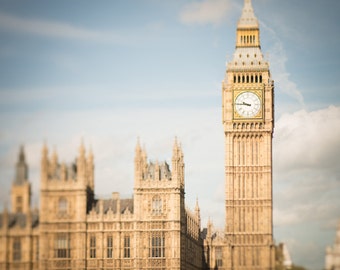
column 205, row 12
column 307, row 182
column 54, row 29
column 306, row 166
column 308, row 140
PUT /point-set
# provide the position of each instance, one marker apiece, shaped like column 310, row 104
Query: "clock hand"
column 243, row 104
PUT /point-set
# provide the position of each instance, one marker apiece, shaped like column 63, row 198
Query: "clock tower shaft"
column 248, row 151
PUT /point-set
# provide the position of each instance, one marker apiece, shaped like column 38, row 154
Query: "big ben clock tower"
column 248, row 120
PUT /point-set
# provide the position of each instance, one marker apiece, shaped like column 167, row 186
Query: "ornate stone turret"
column 198, row 212
column 178, row 165
column 54, row 162
column 248, row 31
column 248, row 118
column 90, row 169
column 21, row 188
column 21, row 169
column 140, row 157
column 44, row 165
column 248, row 19
column 81, row 164
column 81, row 172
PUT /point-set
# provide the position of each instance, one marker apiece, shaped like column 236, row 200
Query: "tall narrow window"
column 253, row 256
column 92, row 247
column 16, row 249
column 127, row 247
column 156, row 206
column 19, row 204
column 37, row 250
column 157, row 247
column 218, row 256
column 62, row 206
column 109, row 246
column 62, row 246
column 242, row 256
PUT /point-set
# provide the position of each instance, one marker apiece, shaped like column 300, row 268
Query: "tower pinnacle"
column 248, row 19
column 21, row 168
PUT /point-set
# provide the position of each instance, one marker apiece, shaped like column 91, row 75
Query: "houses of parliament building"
column 154, row 229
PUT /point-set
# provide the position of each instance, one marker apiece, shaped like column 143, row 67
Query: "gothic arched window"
column 157, row 206
column 62, row 205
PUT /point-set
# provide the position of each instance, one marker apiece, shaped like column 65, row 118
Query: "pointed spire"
column 54, row 162
column 44, row 151
column 139, row 153
column 248, row 18
column 21, row 168
column 140, row 161
column 138, row 149
column 197, row 208
column 22, row 154
column 198, row 212
column 81, row 163
column 177, row 150
column 177, row 165
column 82, row 149
column 44, row 163
column 90, row 168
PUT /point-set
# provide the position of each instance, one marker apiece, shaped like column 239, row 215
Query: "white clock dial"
column 247, row 104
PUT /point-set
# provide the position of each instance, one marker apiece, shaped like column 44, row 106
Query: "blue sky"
column 108, row 72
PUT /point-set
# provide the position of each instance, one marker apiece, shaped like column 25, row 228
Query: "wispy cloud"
column 283, row 81
column 54, row 29
column 205, row 12
column 94, row 94
column 112, row 135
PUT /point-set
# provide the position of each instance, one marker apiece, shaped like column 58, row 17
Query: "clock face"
column 247, row 104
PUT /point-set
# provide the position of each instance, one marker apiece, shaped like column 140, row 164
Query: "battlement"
column 78, row 173
column 158, row 174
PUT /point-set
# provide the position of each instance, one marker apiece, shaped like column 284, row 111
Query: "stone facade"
column 74, row 230
column 248, row 121
column 154, row 229
column 19, row 228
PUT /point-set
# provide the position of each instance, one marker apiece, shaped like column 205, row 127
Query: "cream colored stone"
column 154, row 229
